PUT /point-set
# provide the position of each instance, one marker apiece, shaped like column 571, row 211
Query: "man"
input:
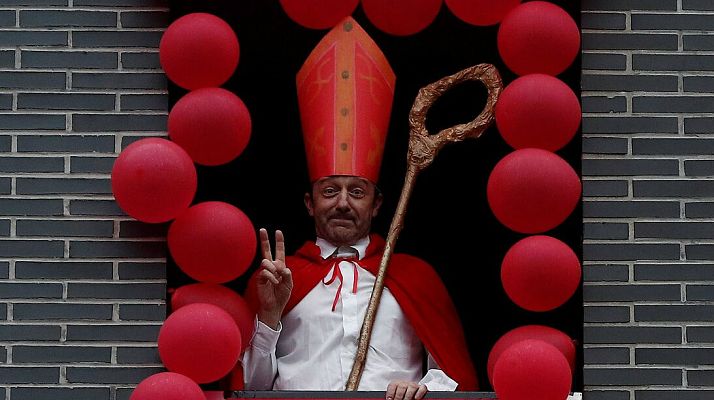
column 310, row 306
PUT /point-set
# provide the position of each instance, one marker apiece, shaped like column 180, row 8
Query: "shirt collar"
column 327, row 248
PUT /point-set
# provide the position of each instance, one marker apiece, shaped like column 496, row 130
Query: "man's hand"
column 402, row 390
column 275, row 282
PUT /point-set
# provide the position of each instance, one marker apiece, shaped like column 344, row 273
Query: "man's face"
column 343, row 208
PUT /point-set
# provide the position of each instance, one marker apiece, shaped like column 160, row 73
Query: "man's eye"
column 357, row 193
column 329, row 192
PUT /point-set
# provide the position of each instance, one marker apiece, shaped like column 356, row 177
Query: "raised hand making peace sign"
column 275, row 282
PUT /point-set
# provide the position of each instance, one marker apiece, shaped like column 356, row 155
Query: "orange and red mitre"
column 345, row 91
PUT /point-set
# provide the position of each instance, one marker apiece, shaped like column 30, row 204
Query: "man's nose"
column 343, row 204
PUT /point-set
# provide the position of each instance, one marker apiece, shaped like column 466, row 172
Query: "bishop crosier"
column 310, row 305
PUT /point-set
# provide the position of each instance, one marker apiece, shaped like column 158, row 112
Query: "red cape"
column 418, row 290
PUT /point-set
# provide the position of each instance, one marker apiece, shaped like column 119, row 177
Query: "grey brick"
column 124, row 333
column 143, row 312
column 601, row 230
column 62, row 185
column 140, row 229
column 145, row 19
column 673, row 62
column 34, row 2
column 31, row 206
column 632, row 335
column 66, row 143
column 611, row 314
column 3, row 357
column 69, row 59
column 674, row 313
column 18, row 290
column 674, row 272
column 627, row 5
column 4, row 269
column 699, row 251
column 5, row 185
column 64, row 228
column 63, row 270
column 108, row 375
column 607, row 395
column 29, row 332
column 630, row 209
column 143, row 60
column 700, row 292
column 126, row 140
column 123, row 3
column 673, row 104
column 606, row 273
column 610, row 21
column 604, row 104
column 65, row 101
column 60, row 354
column 91, row 164
column 139, row 102
column 682, row 22
column 57, row 18
column 5, row 143
column 122, row 249
column 17, row 121
column 698, row 125
column 607, row 62
column 7, row 58
column 701, row 378
column 118, row 80
column 116, row 290
column 138, row 355
column 640, row 292
column 632, row 376
column 118, row 122
column 674, row 394
column 682, row 146
column 630, row 125
column 699, row 84
column 673, row 188
column 608, row 188
column 674, row 230
column 46, row 311
column 698, row 42
column 629, row 167
column 630, row 252
column 606, row 355
column 7, row 18
column 4, row 227
column 29, row 374
column 33, row 38
column 3, row 316
column 703, row 5
column 31, row 248
column 130, row 270
column 94, row 207
column 32, row 80
column 700, row 334
column 31, row 164
column 629, row 41
column 122, row 39
column 699, row 210
column 60, row 393
column 678, row 356
column 5, row 101
column 629, row 83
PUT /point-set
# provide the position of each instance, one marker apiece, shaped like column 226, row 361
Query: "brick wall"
column 82, row 287
column 648, row 171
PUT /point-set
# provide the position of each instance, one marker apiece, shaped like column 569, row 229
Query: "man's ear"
column 377, row 203
column 308, row 204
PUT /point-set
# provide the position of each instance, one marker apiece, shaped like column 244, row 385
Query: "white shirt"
column 314, row 346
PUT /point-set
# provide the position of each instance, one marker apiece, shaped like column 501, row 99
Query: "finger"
column 401, row 391
column 265, row 244
column 391, row 390
column 421, row 392
column 268, row 276
column 287, row 276
column 273, row 269
column 411, row 391
column 279, row 246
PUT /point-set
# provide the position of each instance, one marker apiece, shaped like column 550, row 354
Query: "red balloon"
column 532, row 190
column 154, row 180
column 538, row 37
column 220, row 296
column 167, row 386
column 560, row 340
column 199, row 50
column 212, row 242
column 200, row 341
column 540, row 273
column 481, row 12
column 533, row 370
column 211, row 124
column 538, row 110
column 318, row 14
column 401, row 17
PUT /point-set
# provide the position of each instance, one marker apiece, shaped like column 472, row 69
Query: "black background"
column 448, row 222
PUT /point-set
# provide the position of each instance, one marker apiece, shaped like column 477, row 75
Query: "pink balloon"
column 199, row 50
column 167, row 386
column 533, row 370
column 211, row 124
column 532, row 190
column 538, row 37
column 212, row 242
column 318, row 14
column 200, row 341
column 154, row 180
column 401, row 17
column 481, row 12
column 538, row 110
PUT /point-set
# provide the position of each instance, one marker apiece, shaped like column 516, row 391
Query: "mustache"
column 338, row 215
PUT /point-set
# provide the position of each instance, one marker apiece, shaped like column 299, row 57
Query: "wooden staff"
column 422, row 150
